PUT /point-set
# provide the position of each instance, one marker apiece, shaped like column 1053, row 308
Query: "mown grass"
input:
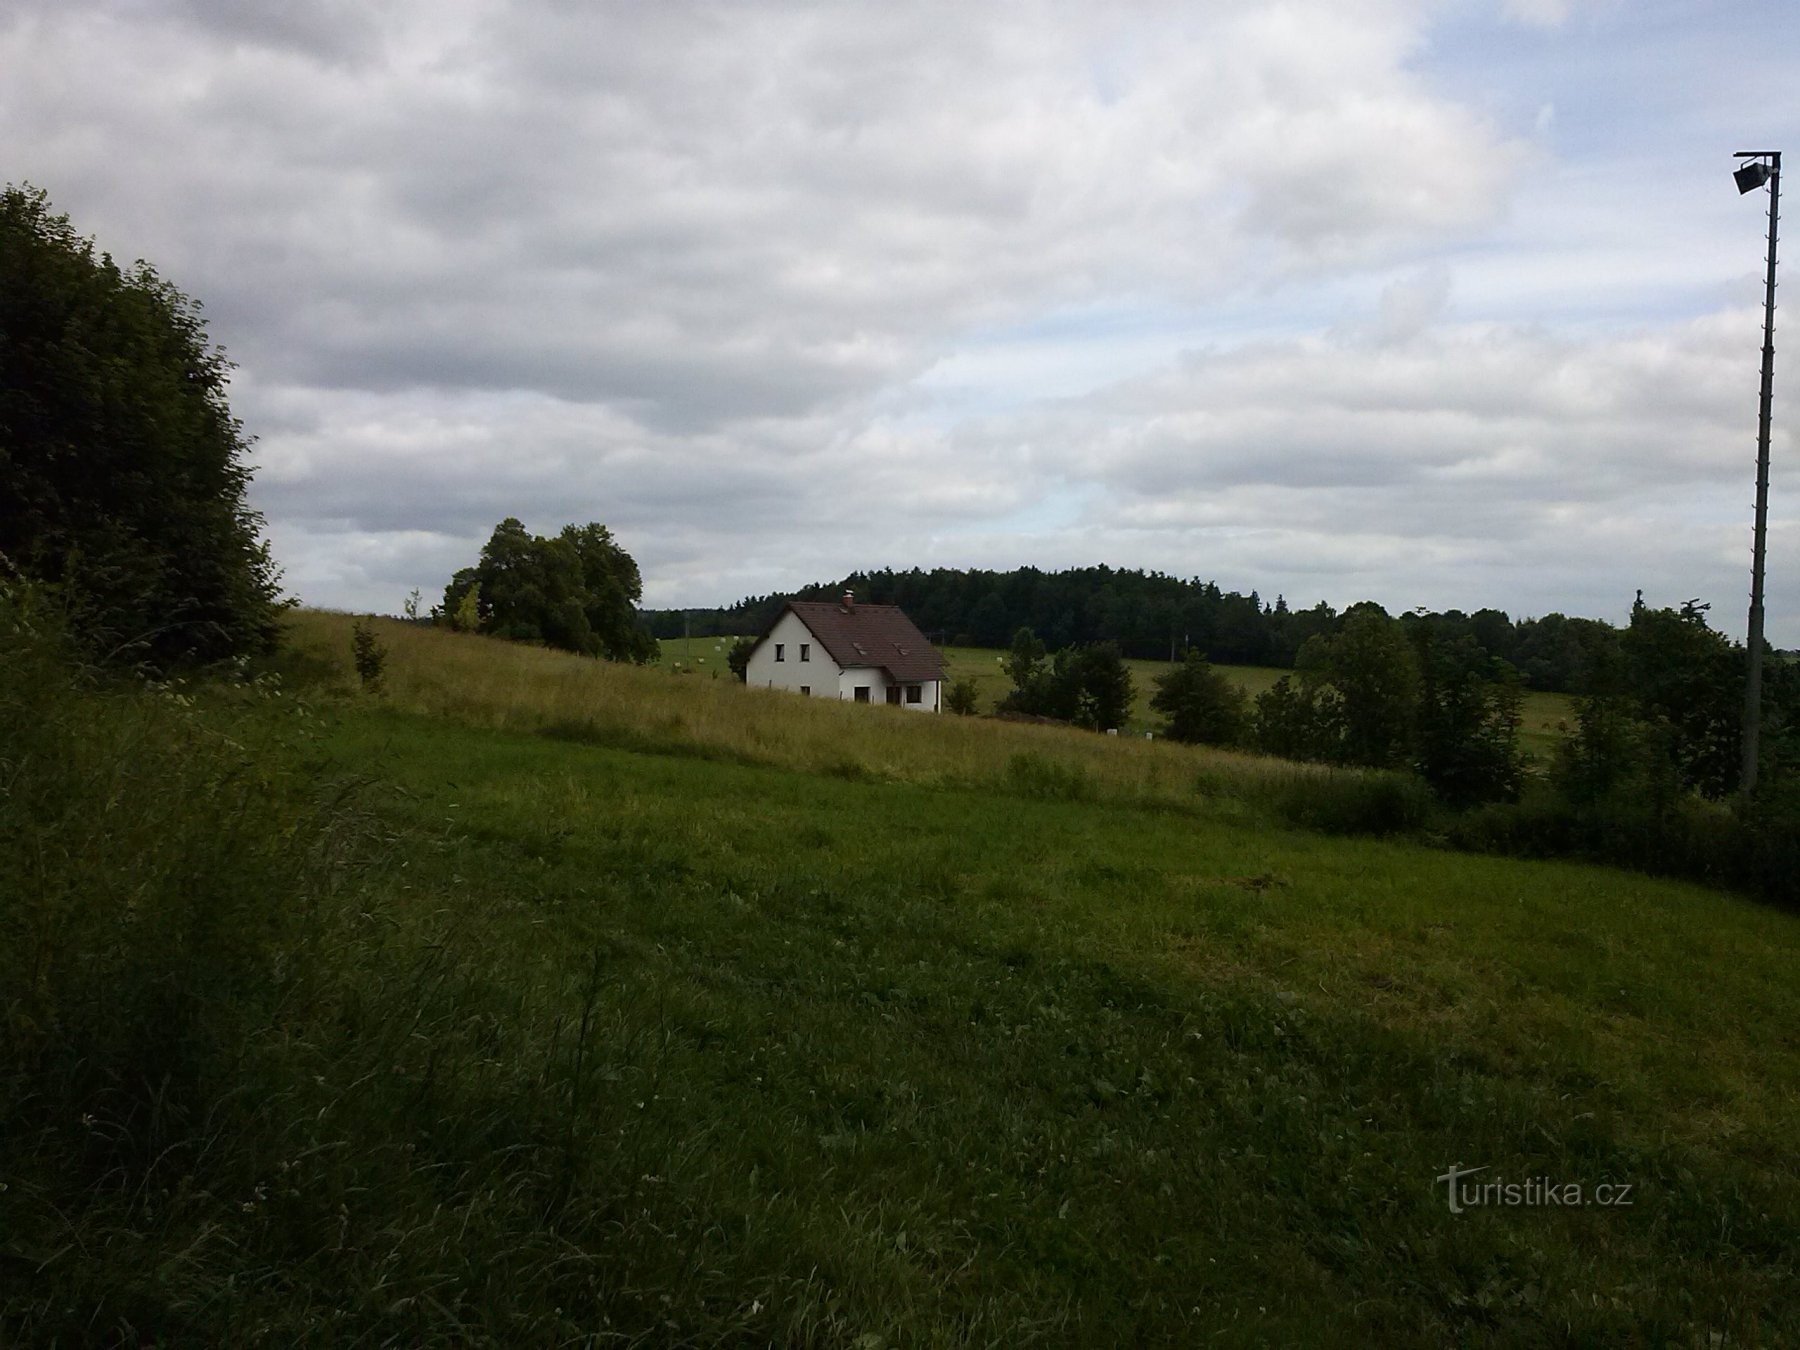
column 566, row 1040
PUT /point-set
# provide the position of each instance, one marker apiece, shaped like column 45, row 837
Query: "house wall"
column 930, row 693
column 820, row 672
column 873, row 676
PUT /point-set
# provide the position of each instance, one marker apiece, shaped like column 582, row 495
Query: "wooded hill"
column 1150, row 615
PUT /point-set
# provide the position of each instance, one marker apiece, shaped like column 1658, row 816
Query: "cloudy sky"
column 1435, row 303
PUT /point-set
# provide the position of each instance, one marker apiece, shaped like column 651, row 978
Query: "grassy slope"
column 1546, row 716
column 893, row 1049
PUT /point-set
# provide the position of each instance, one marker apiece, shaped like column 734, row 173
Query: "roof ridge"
column 864, row 634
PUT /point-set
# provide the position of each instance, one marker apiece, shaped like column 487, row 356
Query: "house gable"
column 851, row 650
column 872, row 635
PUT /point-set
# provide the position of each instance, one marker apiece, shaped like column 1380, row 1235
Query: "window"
column 781, row 651
column 806, row 689
column 806, row 651
column 915, row 693
column 862, row 693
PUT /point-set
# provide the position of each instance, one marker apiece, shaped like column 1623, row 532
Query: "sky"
column 1444, row 303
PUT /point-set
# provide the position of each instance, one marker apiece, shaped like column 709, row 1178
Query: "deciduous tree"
column 122, row 470
column 1202, row 706
column 577, row 591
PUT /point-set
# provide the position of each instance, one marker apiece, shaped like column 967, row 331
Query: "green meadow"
column 1546, row 720
column 615, row 1006
column 1546, row 717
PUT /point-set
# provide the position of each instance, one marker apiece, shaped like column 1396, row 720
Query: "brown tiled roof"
column 872, row 635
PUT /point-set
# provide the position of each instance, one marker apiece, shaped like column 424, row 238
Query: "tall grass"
column 530, row 1042
column 505, row 686
column 255, row 1086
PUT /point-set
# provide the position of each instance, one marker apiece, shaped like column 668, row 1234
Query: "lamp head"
column 1751, row 176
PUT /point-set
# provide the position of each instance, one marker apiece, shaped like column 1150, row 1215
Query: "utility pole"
column 1759, row 167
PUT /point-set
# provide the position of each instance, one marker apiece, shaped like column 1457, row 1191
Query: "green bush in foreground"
column 122, row 470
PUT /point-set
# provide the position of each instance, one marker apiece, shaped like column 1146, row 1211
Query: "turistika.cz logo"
column 1466, row 1193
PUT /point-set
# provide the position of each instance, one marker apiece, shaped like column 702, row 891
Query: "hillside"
column 1547, row 716
column 663, row 1011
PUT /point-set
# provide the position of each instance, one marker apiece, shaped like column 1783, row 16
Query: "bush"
column 1202, row 706
column 738, row 658
column 1298, row 720
column 963, row 698
column 122, row 474
column 1754, row 849
column 1354, row 802
column 1088, row 686
column 369, row 655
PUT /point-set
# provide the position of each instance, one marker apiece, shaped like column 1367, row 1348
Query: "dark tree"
column 1103, row 690
column 963, row 698
column 612, row 586
column 1372, row 667
column 1203, row 707
column 1609, row 758
column 1297, row 719
column 1089, row 685
column 1025, row 662
column 738, row 658
column 577, row 592
column 1467, row 722
column 122, row 473
column 1688, row 681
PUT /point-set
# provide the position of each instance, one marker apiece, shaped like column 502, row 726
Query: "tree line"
column 1152, row 616
column 1659, row 717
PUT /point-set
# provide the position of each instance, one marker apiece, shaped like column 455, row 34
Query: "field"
column 1546, row 716
column 690, row 1015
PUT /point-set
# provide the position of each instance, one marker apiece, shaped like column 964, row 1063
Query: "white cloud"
column 778, row 289
column 1537, row 13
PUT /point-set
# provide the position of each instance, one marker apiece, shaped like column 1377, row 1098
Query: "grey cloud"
column 680, row 267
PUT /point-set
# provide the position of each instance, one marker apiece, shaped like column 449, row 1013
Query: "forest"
column 1152, row 615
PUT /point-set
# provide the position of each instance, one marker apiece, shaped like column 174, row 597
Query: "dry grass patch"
column 512, row 687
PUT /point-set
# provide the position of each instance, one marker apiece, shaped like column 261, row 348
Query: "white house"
column 846, row 650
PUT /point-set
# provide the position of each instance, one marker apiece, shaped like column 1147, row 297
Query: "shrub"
column 1298, row 720
column 1354, row 802
column 465, row 614
column 1089, row 686
column 738, row 658
column 963, row 697
column 122, row 474
column 1468, row 722
column 1202, row 706
column 369, row 655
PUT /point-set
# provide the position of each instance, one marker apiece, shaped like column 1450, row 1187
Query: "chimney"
column 850, row 602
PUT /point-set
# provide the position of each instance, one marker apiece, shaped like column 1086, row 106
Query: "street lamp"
column 1760, row 167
